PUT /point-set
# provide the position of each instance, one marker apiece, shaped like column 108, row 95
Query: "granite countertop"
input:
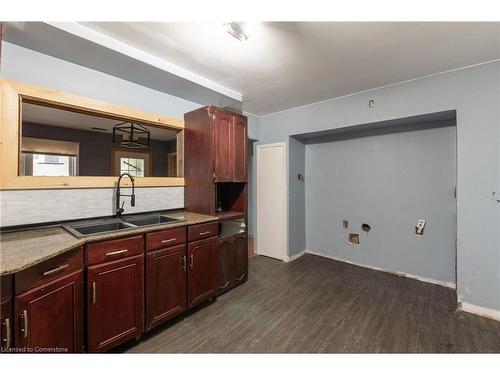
column 23, row 249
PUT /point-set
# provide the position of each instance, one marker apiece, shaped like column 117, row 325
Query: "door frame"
column 284, row 147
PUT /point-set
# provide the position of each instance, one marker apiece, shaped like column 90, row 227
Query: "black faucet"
column 119, row 210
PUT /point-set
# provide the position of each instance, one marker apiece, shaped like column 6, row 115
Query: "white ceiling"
column 289, row 64
column 38, row 114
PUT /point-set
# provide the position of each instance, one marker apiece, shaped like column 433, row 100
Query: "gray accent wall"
column 296, row 191
column 475, row 95
column 387, row 180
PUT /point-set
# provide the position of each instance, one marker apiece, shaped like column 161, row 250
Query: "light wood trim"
column 11, row 94
column 180, row 154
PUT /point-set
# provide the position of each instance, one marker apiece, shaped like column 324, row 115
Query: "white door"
column 271, row 200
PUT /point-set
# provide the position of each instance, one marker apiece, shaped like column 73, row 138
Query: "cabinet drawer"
column 165, row 238
column 51, row 269
column 114, row 249
column 200, row 231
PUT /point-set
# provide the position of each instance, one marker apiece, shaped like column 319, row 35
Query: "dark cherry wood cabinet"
column 223, row 147
column 166, row 271
column 239, row 149
column 202, row 268
column 6, row 313
column 232, row 262
column 224, row 264
column 115, row 303
column 49, row 317
column 216, row 154
column 240, row 258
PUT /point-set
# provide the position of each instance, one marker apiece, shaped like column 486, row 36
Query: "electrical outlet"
column 345, row 224
column 353, row 239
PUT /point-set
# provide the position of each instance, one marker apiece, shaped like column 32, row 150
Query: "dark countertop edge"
column 108, row 236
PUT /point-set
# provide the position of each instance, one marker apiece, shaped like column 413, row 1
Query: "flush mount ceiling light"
column 132, row 135
column 239, row 30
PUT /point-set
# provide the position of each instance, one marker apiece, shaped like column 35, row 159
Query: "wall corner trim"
column 446, row 284
column 481, row 311
column 289, row 259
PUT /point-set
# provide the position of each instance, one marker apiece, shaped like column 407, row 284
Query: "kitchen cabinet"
column 115, row 305
column 223, row 148
column 166, row 271
column 7, row 325
column 240, row 258
column 239, row 149
column 49, row 316
column 6, row 321
column 232, row 262
column 202, row 267
column 216, row 160
column 224, row 264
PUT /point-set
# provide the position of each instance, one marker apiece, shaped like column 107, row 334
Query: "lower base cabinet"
column 115, row 306
column 6, row 326
column 202, row 268
column 49, row 317
column 232, row 262
column 166, row 271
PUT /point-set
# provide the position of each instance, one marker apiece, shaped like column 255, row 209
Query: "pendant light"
column 132, row 135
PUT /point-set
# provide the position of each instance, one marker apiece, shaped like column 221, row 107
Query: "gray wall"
column 388, row 181
column 95, row 148
column 253, row 136
column 475, row 94
column 296, row 191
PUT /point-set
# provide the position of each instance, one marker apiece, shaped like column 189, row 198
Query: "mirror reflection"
column 60, row 142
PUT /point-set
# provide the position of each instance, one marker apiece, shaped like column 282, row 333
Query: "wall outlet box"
column 353, row 239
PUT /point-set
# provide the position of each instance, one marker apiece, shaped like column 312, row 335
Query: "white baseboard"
column 481, row 311
column 295, row 256
column 446, row 284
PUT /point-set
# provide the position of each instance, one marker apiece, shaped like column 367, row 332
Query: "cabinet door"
column 49, row 317
column 240, row 254
column 7, row 326
column 165, row 284
column 224, row 264
column 239, row 149
column 115, row 302
column 202, row 257
column 223, row 166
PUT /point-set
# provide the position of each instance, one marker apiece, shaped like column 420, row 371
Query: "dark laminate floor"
column 319, row 305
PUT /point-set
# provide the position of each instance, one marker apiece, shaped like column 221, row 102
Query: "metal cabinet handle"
column 7, row 333
column 206, row 232
column 25, row 323
column 184, row 263
column 240, row 278
column 116, row 252
column 169, row 240
column 226, row 284
column 56, row 270
column 191, row 260
column 93, row 292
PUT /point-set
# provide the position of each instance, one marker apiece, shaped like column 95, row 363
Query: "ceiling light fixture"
column 239, row 30
column 132, row 135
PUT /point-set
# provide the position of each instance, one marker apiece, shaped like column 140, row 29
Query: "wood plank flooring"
column 318, row 305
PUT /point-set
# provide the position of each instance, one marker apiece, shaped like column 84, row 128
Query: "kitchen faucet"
column 119, row 210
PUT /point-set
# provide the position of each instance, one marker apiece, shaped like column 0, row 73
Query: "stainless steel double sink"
column 91, row 227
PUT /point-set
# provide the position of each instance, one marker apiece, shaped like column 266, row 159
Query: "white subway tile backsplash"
column 19, row 207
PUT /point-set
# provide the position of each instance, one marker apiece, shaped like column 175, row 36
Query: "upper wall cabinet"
column 229, row 148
